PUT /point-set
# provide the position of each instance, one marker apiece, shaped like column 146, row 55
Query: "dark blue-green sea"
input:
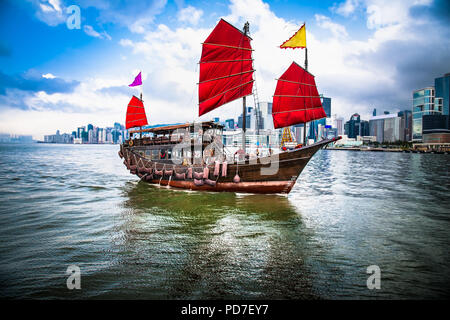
column 63, row 205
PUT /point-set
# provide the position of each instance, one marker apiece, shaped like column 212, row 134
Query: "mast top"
column 246, row 28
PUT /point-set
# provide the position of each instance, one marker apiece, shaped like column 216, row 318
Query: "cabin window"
column 155, row 154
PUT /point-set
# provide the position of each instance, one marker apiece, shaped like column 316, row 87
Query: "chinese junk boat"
column 191, row 156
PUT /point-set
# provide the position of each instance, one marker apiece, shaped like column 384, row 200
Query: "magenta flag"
column 137, row 81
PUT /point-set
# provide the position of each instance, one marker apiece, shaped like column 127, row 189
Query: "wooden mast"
column 244, row 107
column 306, row 68
column 140, row 134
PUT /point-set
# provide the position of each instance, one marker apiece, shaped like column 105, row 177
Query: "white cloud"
column 346, row 8
column 89, row 30
column 46, row 8
column 338, row 30
column 190, row 15
column 381, row 13
column 48, row 76
column 49, row 12
column 56, row 4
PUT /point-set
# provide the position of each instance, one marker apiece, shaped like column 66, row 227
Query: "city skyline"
column 333, row 121
column 81, row 75
column 432, row 103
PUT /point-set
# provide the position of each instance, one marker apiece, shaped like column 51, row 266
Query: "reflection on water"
column 223, row 244
column 63, row 205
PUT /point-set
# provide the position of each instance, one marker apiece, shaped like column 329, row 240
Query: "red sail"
column 296, row 99
column 135, row 114
column 226, row 68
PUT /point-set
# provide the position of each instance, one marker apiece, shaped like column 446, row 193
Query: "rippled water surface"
column 76, row 204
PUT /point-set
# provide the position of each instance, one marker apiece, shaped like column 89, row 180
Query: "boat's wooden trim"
column 244, row 187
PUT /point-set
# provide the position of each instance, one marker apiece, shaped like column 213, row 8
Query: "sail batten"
column 225, row 46
column 296, row 99
column 293, row 96
column 295, row 110
column 305, row 84
column 221, row 61
column 226, row 67
column 136, row 116
column 231, row 75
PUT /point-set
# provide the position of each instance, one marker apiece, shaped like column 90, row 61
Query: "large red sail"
column 296, row 99
column 226, row 68
column 135, row 114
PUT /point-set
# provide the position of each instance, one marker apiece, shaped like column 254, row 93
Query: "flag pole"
column 141, row 83
column 244, row 106
column 306, row 68
column 306, row 58
column 140, row 134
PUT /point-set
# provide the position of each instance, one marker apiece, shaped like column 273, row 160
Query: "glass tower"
column 423, row 104
column 442, row 100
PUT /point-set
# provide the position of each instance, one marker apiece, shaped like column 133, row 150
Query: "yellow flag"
column 298, row 40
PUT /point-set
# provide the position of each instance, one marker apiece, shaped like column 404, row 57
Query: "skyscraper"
column 351, row 127
column 423, row 104
column 229, row 123
column 389, row 127
column 339, row 125
column 406, row 117
column 442, row 100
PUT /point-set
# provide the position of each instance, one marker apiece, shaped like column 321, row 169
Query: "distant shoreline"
column 80, row 144
column 386, row 150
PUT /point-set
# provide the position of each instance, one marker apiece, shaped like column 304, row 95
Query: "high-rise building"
column 266, row 115
column 256, row 119
column 376, row 127
column 247, row 121
column 374, row 112
column 388, row 127
column 406, row 116
column 229, row 124
column 338, row 123
column 314, row 132
column 392, row 129
column 351, row 127
column 363, row 129
column 80, row 131
column 101, row 135
column 423, row 104
column 442, row 100
column 90, row 135
column 326, row 104
column 436, row 128
column 430, row 101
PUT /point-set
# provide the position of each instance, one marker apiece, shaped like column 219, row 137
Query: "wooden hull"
column 254, row 175
column 244, row 187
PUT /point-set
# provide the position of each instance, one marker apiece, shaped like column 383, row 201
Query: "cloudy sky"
column 365, row 54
